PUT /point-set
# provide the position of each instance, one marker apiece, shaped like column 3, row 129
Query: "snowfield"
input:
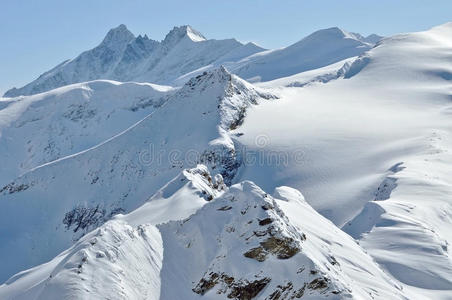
column 328, row 177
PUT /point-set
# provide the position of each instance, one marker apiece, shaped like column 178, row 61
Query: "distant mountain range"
column 185, row 52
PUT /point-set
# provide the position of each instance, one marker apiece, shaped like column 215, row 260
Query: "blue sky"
column 38, row 34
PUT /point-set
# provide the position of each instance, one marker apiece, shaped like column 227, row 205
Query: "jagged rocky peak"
column 224, row 98
column 180, row 32
column 250, row 231
column 235, row 94
column 140, row 47
column 198, row 179
column 373, row 38
column 209, row 78
column 118, row 37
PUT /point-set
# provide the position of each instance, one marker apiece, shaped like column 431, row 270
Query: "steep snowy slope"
column 42, row 128
column 183, row 51
column 89, row 65
column 319, row 49
column 372, row 153
column 320, row 75
column 121, row 173
column 242, row 244
column 122, row 56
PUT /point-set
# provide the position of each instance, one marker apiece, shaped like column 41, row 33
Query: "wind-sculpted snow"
column 238, row 244
column 67, row 197
column 375, row 148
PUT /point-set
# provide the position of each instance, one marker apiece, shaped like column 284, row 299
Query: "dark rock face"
column 235, row 289
column 83, row 218
column 282, row 248
column 318, row 283
column 256, row 253
column 248, row 290
column 14, row 188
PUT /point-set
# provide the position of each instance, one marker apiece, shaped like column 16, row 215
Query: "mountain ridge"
column 158, row 253
column 123, row 57
column 135, row 162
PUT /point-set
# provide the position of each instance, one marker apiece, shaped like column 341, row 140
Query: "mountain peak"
column 373, row 38
column 331, row 32
column 332, row 35
column 180, row 32
column 208, row 78
column 336, row 32
column 118, row 37
column 235, row 95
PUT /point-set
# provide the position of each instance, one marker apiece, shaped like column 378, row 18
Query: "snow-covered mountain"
column 241, row 243
column 122, row 56
column 119, row 174
column 370, row 152
column 193, row 192
column 322, row 48
column 185, row 53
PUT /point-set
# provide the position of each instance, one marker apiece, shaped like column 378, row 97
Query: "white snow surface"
column 320, row 49
column 371, row 152
column 366, row 137
column 158, row 253
column 42, row 128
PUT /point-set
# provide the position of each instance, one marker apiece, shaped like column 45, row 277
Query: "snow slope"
column 38, row 129
column 370, row 151
column 121, row 173
column 122, row 56
column 241, row 244
column 321, row 48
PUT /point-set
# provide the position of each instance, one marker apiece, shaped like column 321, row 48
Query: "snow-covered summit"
column 319, row 49
column 118, row 38
column 178, row 33
column 236, row 97
column 323, row 35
